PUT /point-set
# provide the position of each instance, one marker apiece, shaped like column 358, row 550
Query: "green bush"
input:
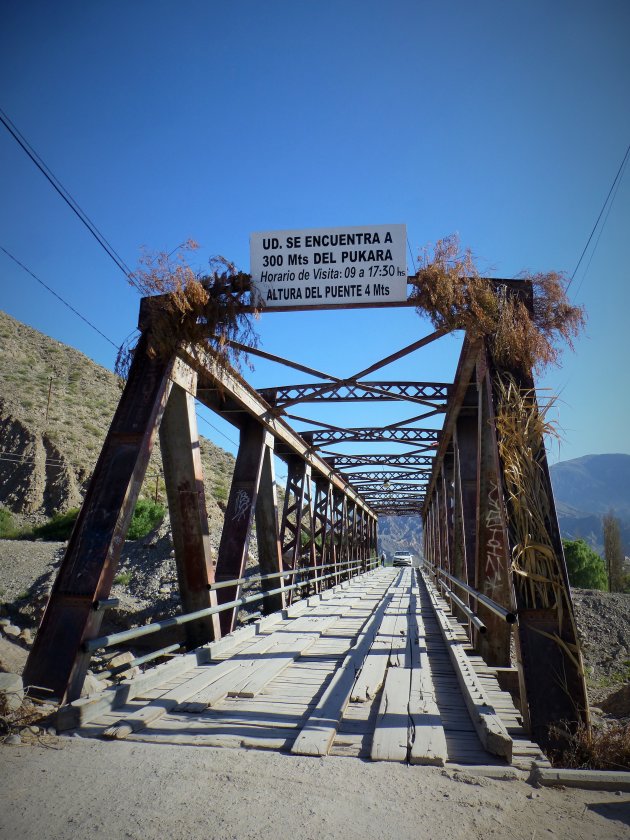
column 59, row 527
column 146, row 517
column 585, row 567
column 7, row 526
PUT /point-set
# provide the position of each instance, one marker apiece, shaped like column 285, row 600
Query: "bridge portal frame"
column 465, row 510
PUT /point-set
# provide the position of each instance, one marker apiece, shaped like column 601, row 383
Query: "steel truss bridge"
column 499, row 632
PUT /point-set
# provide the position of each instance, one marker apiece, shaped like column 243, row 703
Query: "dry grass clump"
column 205, row 311
column 521, row 427
column 448, row 289
column 593, row 748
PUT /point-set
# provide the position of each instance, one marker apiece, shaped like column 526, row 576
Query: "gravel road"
column 86, row 788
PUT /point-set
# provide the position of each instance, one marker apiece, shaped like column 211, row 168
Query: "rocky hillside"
column 55, row 408
column 400, row 532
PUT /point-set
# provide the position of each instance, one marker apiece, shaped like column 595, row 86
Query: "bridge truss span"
column 322, row 530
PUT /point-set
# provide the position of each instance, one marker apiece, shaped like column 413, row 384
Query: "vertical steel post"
column 267, row 532
column 547, row 645
column 466, row 441
column 181, row 458
column 492, row 575
column 56, row 661
column 239, row 516
column 321, row 524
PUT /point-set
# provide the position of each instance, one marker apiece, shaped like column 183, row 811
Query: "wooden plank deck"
column 365, row 670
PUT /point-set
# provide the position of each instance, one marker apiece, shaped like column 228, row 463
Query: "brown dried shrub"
column 204, row 311
column 448, row 288
column 593, row 748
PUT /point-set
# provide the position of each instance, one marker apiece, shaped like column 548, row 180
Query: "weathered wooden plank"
column 372, row 674
column 318, row 732
column 399, row 654
column 203, row 678
column 281, row 656
column 168, row 701
column 426, row 733
column 487, row 723
column 390, row 740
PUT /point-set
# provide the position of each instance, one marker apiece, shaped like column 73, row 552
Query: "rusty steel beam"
column 322, row 524
column 297, row 529
column 547, row 643
column 149, row 304
column 239, row 516
column 465, row 368
column 410, row 494
column 256, row 351
column 375, row 476
column 416, row 418
column 399, row 354
column 183, row 478
column 318, row 437
column 492, row 564
column 396, row 511
column 56, row 664
column 429, row 393
column 267, row 533
column 388, row 460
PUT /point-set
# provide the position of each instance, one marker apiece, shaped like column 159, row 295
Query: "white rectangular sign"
column 329, row 266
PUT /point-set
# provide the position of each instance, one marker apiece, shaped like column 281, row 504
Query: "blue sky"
column 503, row 122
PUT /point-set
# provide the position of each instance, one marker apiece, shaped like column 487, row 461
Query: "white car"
column 402, row 558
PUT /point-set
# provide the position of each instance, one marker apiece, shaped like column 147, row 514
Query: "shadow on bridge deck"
column 362, row 670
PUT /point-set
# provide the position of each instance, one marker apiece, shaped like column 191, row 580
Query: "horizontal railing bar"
column 106, row 604
column 497, row 609
column 90, row 645
column 256, row 578
column 139, row 660
column 478, row 623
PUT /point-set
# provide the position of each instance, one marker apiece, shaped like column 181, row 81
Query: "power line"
column 601, row 212
column 90, row 324
column 201, row 417
column 58, row 296
column 67, row 197
column 601, row 230
column 413, row 259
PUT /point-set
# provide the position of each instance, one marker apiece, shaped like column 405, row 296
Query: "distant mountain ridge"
column 587, row 488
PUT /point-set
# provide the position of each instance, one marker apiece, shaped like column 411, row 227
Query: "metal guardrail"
column 90, row 645
column 507, row 615
column 475, row 620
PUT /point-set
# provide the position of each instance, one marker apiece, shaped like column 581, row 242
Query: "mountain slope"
column 594, row 483
column 55, row 408
column 587, row 488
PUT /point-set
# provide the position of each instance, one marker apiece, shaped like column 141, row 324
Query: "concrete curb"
column 586, row 779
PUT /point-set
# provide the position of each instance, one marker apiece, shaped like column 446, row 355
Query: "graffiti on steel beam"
column 493, row 573
column 242, row 504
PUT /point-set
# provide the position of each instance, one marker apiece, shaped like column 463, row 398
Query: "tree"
column 613, row 552
column 585, row 567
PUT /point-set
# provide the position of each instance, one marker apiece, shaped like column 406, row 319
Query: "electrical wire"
column 601, row 230
column 413, row 259
column 201, row 417
column 58, row 296
column 67, row 197
column 601, row 212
